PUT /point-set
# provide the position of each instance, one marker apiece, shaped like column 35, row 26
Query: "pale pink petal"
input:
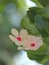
column 36, row 41
column 12, row 38
column 15, row 32
column 26, row 44
column 31, row 38
column 23, row 34
column 15, row 40
column 19, row 43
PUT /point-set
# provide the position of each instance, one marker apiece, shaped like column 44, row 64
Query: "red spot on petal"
column 33, row 44
column 19, row 38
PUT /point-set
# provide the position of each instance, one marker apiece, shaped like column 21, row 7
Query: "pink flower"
column 32, row 43
column 28, row 42
column 17, row 37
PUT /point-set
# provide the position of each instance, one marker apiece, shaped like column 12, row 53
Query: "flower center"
column 33, row 44
column 19, row 38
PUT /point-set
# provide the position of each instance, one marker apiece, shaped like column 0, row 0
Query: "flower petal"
column 12, row 38
column 23, row 34
column 15, row 32
column 15, row 40
column 37, row 41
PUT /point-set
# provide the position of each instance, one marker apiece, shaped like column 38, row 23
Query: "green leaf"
column 44, row 2
column 46, row 40
column 44, row 12
column 46, row 63
column 37, row 3
column 42, row 25
column 39, row 54
column 45, row 59
column 26, row 24
column 41, row 3
column 33, row 11
column 36, row 57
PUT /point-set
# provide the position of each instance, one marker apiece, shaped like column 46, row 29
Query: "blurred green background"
column 11, row 13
